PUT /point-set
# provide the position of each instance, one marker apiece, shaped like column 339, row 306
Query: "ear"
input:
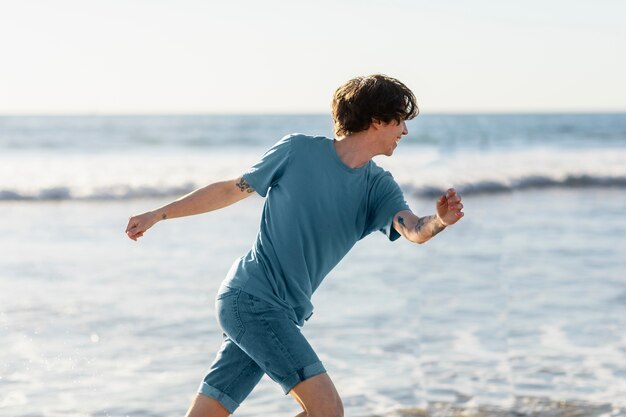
column 376, row 124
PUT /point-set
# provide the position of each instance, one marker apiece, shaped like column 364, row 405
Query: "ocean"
column 519, row 309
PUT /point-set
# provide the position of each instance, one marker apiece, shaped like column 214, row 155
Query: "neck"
column 354, row 150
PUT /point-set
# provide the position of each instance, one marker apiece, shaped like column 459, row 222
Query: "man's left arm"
column 421, row 229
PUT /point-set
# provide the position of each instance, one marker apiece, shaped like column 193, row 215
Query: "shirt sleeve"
column 268, row 170
column 386, row 200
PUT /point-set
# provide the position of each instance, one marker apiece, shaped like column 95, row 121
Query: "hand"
column 137, row 225
column 449, row 207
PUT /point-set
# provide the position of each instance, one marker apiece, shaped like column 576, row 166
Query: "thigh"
column 275, row 342
column 231, row 377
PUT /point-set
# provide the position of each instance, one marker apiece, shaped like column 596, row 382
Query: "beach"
column 519, row 309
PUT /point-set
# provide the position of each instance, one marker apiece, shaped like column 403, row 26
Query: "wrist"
column 158, row 215
column 440, row 222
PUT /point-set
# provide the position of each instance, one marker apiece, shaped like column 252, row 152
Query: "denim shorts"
column 258, row 338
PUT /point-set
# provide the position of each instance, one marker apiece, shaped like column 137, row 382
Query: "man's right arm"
column 212, row 197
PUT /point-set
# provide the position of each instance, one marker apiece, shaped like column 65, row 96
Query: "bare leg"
column 203, row 406
column 318, row 397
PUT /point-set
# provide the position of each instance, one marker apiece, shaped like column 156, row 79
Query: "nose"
column 404, row 129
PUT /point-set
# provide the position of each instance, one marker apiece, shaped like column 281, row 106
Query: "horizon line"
column 244, row 113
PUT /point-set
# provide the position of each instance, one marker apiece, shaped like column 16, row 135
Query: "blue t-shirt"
column 316, row 209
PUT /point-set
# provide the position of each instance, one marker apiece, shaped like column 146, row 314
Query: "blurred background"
column 109, row 109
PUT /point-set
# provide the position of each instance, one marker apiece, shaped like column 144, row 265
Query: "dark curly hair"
column 374, row 97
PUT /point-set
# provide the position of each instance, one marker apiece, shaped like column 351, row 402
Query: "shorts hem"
column 300, row 375
column 227, row 402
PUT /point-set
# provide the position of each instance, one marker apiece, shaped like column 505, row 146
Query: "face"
column 391, row 133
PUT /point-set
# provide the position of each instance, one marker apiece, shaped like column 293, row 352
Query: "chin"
column 387, row 152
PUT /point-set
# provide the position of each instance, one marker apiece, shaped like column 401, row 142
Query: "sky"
column 288, row 56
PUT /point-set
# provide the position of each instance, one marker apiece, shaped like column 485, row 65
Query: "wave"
column 532, row 182
column 126, row 192
column 97, row 194
column 421, row 173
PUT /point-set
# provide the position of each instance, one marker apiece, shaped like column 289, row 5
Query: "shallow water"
column 518, row 309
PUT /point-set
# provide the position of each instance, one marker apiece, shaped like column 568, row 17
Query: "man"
column 323, row 195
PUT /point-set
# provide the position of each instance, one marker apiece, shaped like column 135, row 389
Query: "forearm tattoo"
column 244, row 186
column 425, row 221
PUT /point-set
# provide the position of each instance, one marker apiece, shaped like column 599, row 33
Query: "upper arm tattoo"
column 401, row 221
column 243, row 185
